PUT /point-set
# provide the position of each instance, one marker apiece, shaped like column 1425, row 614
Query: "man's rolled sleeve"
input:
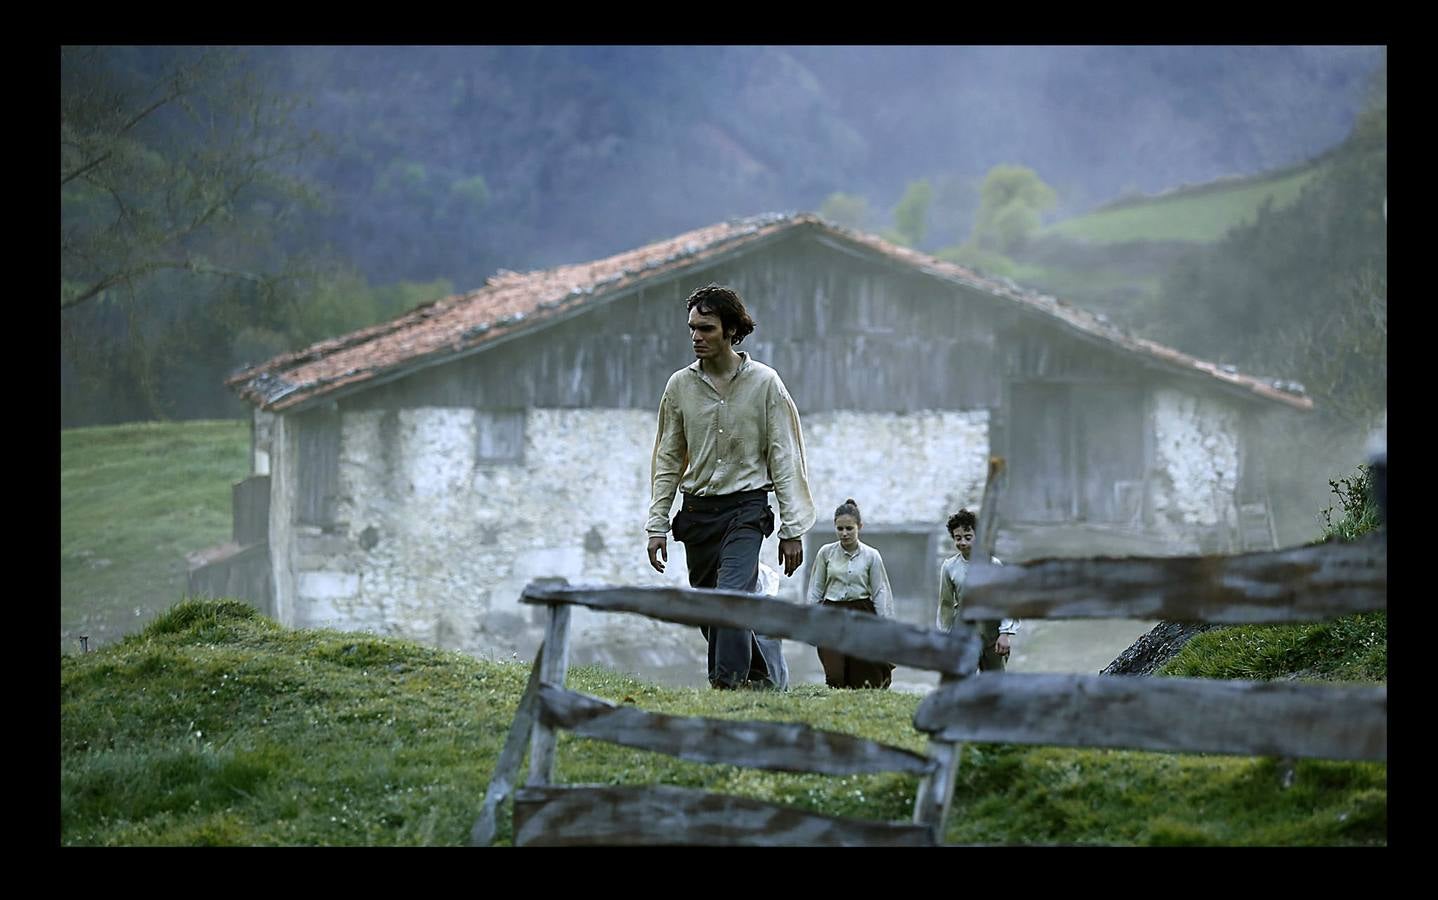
column 788, row 470
column 666, row 465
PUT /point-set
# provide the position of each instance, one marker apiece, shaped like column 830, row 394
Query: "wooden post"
column 505, row 770
column 936, row 790
column 554, row 668
column 986, row 533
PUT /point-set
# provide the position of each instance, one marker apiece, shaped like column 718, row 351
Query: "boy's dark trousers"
column 990, row 660
column 722, row 537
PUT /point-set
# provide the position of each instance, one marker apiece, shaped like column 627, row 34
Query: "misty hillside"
column 587, row 151
column 292, row 194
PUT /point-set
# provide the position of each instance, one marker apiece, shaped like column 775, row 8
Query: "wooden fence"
column 1164, row 714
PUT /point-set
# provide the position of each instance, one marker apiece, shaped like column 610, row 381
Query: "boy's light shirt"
column 952, row 575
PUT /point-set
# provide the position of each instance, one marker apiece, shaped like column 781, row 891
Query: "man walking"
column 728, row 434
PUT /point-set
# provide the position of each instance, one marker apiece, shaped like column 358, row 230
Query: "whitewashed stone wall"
column 1196, row 462
column 436, row 548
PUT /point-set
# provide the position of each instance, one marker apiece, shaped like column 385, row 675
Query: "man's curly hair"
column 716, row 300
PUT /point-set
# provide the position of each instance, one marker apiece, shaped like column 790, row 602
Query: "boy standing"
column 952, row 575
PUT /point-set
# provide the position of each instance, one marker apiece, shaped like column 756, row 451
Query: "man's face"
column 706, row 332
column 963, row 537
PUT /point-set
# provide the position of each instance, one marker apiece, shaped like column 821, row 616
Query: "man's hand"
column 791, row 554
column 1001, row 646
column 658, row 552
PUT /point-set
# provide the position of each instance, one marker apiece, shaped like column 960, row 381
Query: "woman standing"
column 849, row 574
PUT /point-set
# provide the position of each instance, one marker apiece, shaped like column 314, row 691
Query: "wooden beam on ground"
column 657, row 815
column 1183, row 715
column 858, row 634
column 1300, row 584
column 778, row 746
column 506, row 769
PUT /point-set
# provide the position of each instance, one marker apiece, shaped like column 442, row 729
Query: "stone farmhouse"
column 410, row 478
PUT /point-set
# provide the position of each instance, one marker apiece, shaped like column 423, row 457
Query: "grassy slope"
column 1188, row 216
column 134, row 499
column 217, row 726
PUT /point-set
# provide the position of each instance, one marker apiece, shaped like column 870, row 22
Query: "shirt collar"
column 743, row 364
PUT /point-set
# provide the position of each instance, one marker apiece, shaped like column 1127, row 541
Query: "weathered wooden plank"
column 598, row 815
column 857, row 634
column 931, row 803
column 986, row 530
column 250, row 506
column 317, row 450
column 778, row 746
column 555, row 668
column 507, row 768
column 936, row 790
column 1187, row 715
column 1300, row 584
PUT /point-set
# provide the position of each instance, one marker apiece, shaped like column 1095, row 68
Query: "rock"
column 1157, row 647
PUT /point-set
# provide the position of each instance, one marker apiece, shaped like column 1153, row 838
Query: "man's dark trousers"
column 722, row 537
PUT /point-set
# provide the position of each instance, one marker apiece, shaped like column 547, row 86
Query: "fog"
column 588, row 151
column 431, row 168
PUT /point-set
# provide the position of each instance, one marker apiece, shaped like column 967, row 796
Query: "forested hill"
column 451, row 162
column 222, row 205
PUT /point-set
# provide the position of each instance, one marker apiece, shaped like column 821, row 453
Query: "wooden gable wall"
column 845, row 328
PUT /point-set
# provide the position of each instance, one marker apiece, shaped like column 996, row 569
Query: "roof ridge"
column 510, row 300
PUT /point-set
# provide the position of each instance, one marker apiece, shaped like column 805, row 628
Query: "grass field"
column 134, row 499
column 216, row 726
column 205, row 723
column 1201, row 216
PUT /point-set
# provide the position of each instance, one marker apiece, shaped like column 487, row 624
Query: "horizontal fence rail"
column 778, row 746
column 1185, row 715
column 582, row 815
column 857, row 634
column 1301, row 584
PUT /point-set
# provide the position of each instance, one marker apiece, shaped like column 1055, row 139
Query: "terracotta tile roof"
column 512, row 302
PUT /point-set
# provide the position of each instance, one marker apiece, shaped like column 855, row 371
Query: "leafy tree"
column 1012, row 200
column 911, row 216
column 170, row 160
column 984, row 261
column 846, row 210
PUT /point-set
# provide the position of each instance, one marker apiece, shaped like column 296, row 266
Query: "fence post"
column 936, row 790
column 553, row 669
column 501, row 785
column 986, row 532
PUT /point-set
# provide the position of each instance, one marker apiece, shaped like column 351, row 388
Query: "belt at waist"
column 695, row 503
